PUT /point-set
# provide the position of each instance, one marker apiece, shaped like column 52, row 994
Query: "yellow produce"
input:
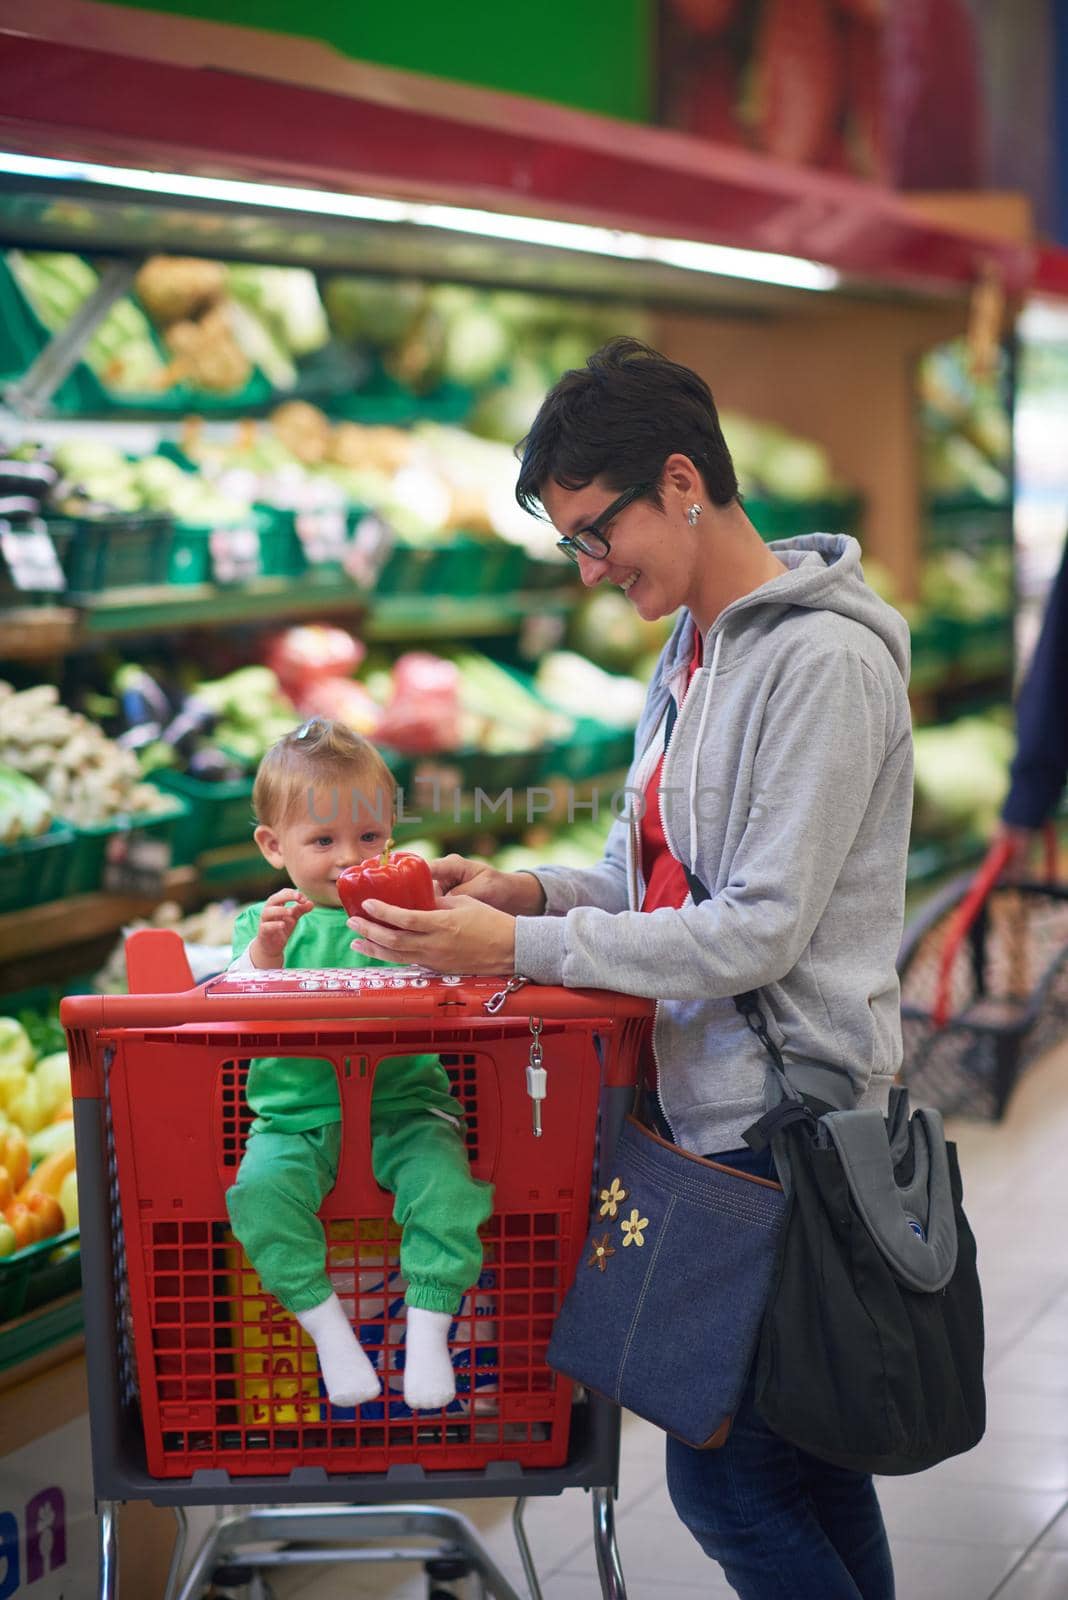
column 16, row 1059
column 7, row 1188
column 47, row 1176
column 8, row 1242
column 68, row 1199
column 29, row 1106
column 48, row 1211
column 26, row 1223
column 46, row 1141
column 14, row 1152
column 52, row 1075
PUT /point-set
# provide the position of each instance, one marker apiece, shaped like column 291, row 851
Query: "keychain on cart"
column 537, row 1079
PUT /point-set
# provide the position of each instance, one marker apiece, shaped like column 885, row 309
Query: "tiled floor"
column 993, row 1523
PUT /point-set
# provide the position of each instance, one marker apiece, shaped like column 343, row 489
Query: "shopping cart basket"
column 984, row 985
column 202, row 1390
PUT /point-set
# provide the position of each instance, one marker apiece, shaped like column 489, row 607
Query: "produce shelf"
column 54, row 1329
column 411, row 618
column 83, row 917
column 42, row 632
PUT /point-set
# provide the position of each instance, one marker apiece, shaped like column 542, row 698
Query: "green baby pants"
column 284, row 1178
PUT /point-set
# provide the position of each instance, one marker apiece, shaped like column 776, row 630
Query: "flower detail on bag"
column 633, row 1229
column 601, row 1251
column 612, row 1198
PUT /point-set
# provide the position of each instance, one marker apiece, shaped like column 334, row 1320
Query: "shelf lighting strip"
column 691, row 255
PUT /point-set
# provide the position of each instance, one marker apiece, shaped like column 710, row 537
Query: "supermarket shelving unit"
column 85, row 83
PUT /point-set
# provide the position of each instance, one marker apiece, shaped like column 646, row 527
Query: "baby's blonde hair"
column 317, row 754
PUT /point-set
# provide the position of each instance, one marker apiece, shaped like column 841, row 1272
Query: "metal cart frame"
column 309, row 1509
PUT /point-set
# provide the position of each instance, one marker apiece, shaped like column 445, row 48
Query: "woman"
column 773, row 761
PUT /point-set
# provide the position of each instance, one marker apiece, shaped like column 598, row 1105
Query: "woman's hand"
column 518, row 893
column 466, row 935
column 280, row 915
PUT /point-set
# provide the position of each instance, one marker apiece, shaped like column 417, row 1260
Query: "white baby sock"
column 349, row 1377
column 429, row 1381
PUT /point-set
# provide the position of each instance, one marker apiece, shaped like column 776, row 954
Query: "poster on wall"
column 888, row 92
column 48, row 1527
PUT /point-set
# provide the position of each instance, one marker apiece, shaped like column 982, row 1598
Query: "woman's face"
column 653, row 552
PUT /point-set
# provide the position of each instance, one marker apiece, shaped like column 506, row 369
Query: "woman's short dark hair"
column 619, row 418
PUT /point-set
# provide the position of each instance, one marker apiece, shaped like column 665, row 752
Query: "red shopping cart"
column 203, row 1391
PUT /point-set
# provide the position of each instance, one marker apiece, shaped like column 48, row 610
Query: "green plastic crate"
column 39, row 1273
column 281, row 552
column 121, row 551
column 34, row 871
column 964, row 522
column 594, row 750
column 86, row 869
column 792, row 519
column 984, row 644
column 217, row 814
column 933, row 642
column 471, row 566
column 190, row 559
column 407, row 570
column 546, row 573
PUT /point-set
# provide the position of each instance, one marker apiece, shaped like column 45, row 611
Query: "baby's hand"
column 279, row 917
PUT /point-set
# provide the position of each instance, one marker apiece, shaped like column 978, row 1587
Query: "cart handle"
column 996, row 860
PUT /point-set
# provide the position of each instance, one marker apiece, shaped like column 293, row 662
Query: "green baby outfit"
column 291, row 1156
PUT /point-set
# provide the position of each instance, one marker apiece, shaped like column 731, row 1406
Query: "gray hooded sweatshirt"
column 787, row 792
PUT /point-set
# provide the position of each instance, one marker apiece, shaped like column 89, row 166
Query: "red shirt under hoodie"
column 665, row 879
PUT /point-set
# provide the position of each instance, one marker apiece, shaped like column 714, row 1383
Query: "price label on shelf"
column 136, row 862
column 368, row 550
column 323, row 534
column 31, row 557
column 235, row 554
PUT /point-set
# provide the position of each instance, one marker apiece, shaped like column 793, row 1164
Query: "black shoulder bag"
column 871, row 1348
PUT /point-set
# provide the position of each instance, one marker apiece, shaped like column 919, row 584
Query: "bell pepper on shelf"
column 398, row 878
column 14, row 1152
column 302, row 656
column 47, row 1176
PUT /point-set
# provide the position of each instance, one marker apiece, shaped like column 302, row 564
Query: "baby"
column 323, row 800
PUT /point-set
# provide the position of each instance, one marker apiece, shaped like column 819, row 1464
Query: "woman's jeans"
column 782, row 1525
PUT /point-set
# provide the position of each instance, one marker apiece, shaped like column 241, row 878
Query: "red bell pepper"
column 399, row 878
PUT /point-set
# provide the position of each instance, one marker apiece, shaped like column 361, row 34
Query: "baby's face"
column 332, row 828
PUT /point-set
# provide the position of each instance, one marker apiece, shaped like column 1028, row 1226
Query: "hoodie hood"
column 824, row 574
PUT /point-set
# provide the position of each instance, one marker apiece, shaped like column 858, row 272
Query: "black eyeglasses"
column 590, row 540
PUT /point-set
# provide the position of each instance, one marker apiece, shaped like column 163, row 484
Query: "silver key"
column 537, row 1077
column 537, row 1084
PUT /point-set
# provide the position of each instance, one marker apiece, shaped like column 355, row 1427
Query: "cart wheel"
column 445, row 1569
column 235, row 1582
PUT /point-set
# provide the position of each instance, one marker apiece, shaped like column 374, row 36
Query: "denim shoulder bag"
column 666, row 1307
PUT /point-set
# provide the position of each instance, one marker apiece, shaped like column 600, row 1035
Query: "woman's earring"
column 693, row 514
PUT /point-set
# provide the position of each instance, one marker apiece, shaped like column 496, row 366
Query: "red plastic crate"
column 226, row 1377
